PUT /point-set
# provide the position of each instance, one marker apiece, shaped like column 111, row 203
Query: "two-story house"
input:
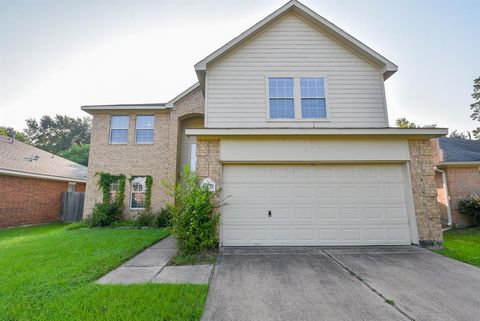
column 290, row 120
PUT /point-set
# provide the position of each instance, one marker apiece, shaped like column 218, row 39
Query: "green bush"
column 194, row 220
column 145, row 219
column 470, row 206
column 77, row 225
column 163, row 217
column 105, row 214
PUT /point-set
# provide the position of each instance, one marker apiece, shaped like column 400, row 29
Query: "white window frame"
column 132, row 192
column 193, row 157
column 297, row 98
column 71, row 186
column 111, row 128
column 152, row 129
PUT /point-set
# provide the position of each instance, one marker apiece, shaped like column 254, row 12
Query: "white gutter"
column 41, row 176
column 447, row 197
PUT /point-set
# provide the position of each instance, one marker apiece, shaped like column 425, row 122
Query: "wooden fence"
column 72, row 206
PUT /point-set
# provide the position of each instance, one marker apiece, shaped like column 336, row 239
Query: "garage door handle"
column 269, row 213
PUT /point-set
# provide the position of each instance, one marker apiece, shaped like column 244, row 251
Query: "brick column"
column 425, row 193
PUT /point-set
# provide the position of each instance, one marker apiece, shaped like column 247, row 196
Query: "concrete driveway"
column 341, row 284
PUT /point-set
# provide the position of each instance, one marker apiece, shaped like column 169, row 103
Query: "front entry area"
column 314, row 205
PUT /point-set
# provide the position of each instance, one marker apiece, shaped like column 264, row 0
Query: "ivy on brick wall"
column 104, row 182
column 148, row 191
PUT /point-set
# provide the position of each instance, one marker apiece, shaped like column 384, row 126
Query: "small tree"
column 475, row 107
column 194, row 218
column 405, row 123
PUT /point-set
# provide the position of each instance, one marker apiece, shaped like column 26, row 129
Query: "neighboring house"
column 32, row 182
column 457, row 175
column 290, row 120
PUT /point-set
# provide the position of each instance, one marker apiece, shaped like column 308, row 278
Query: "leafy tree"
column 475, row 107
column 59, row 133
column 77, row 153
column 405, row 123
column 9, row 131
column 456, row 134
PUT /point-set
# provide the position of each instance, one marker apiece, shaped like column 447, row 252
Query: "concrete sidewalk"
column 143, row 267
column 150, row 266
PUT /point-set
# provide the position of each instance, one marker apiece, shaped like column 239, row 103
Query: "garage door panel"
column 314, row 205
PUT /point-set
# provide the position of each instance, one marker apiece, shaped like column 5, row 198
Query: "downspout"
column 447, row 198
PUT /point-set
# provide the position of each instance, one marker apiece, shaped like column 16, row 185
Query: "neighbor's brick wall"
column 462, row 182
column 30, row 200
column 158, row 160
column 425, row 193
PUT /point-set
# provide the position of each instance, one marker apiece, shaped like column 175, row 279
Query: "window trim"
column 111, row 128
column 297, row 99
column 152, row 129
column 193, row 165
column 131, row 194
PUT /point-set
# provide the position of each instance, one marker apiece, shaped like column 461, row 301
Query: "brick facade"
column 159, row 160
column 31, row 200
column 461, row 182
column 424, row 189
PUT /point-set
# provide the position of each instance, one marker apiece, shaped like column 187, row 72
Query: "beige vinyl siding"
column 236, row 85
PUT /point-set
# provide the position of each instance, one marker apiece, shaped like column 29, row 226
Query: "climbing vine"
column 104, row 182
column 148, row 191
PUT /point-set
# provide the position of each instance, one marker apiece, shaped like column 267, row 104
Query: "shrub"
column 105, row 214
column 194, row 221
column 163, row 218
column 145, row 219
column 77, row 225
column 470, row 206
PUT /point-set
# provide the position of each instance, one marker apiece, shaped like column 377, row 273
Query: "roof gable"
column 293, row 6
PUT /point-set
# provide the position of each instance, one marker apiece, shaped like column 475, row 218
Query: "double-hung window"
column 297, row 98
column 281, row 98
column 113, row 189
column 144, row 129
column 313, row 98
column 119, row 130
column 137, row 199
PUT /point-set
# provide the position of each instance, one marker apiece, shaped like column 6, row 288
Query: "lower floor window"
column 113, row 191
column 138, row 193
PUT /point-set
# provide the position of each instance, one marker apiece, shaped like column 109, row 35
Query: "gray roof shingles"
column 459, row 150
column 19, row 157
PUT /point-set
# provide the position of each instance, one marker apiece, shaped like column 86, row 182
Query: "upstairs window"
column 119, row 130
column 281, row 98
column 138, row 193
column 297, row 98
column 313, row 97
column 144, row 129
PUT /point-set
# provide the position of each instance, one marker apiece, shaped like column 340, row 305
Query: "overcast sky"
column 58, row 55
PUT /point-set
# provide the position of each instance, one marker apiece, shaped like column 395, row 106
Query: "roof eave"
column 458, row 164
column 424, row 133
column 4, row 171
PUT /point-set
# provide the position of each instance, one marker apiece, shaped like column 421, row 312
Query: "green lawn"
column 48, row 273
column 462, row 245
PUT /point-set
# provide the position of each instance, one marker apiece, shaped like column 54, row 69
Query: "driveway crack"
column 386, row 300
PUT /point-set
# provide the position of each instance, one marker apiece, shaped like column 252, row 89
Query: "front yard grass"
column 48, row 273
column 462, row 245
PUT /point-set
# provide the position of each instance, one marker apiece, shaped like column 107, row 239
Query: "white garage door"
column 314, row 205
